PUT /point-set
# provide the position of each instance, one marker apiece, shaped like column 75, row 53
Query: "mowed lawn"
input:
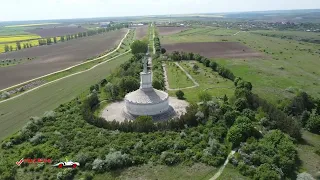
column 208, row 80
column 176, row 77
column 288, row 65
column 16, row 112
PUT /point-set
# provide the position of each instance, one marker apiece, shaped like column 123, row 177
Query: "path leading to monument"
column 238, row 33
column 217, row 175
column 67, row 70
column 189, row 76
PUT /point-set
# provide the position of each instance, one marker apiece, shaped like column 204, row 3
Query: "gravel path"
column 189, row 76
column 216, row 176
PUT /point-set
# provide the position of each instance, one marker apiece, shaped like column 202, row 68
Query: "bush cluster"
column 158, row 76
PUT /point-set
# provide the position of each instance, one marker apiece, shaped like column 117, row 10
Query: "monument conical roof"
column 147, row 96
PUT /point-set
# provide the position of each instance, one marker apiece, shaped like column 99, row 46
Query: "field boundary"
column 17, row 85
column 188, row 75
column 64, row 77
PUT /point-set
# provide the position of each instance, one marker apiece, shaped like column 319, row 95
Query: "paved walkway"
column 217, row 175
column 189, row 76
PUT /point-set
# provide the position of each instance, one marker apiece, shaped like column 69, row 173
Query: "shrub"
column 180, row 94
column 169, row 158
column 204, row 96
column 98, row 165
column 266, row 172
column 5, row 95
column 313, row 124
column 116, row 160
column 37, row 139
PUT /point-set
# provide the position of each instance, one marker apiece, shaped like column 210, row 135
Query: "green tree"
column 62, row 38
column 225, row 99
column 195, row 67
column 113, row 90
column 139, row 47
column 128, row 84
column 266, row 172
column 144, row 124
column 180, row 94
column 240, row 131
column 241, row 104
column 6, row 48
column 18, row 45
column 313, row 124
column 163, row 50
column 11, row 48
column 49, row 41
column 204, row 96
column 55, row 39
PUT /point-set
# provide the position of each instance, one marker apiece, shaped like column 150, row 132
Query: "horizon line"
column 194, row 13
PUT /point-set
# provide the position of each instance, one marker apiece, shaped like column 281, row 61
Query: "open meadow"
column 176, row 77
column 288, row 65
column 48, row 59
column 207, row 79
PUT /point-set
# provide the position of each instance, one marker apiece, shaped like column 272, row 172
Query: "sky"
column 13, row 10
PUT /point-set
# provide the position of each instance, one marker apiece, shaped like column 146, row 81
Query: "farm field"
column 170, row 30
column 289, row 65
column 56, row 31
column 176, row 77
column 208, row 80
column 22, row 37
column 27, row 25
column 56, row 57
column 215, row 49
column 141, row 32
column 16, row 112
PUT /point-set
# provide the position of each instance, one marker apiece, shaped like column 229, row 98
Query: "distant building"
column 104, row 24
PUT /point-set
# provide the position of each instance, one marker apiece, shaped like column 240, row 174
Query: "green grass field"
column 289, row 64
column 230, row 173
column 310, row 161
column 154, row 172
column 16, row 112
column 176, row 77
column 291, row 35
column 208, row 80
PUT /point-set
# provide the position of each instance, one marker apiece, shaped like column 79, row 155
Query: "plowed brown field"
column 215, row 49
column 56, row 57
column 58, row 31
column 141, row 32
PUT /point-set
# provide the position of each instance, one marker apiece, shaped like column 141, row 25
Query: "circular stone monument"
column 146, row 101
